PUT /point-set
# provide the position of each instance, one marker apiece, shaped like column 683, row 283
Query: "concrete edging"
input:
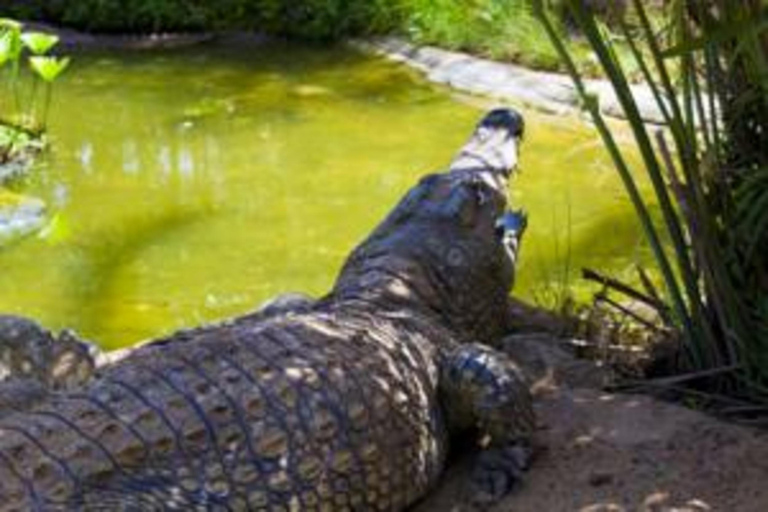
column 548, row 91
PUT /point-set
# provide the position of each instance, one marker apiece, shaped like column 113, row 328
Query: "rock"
column 550, row 362
column 19, row 216
column 13, row 168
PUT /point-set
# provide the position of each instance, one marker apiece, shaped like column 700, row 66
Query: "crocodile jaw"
column 491, row 153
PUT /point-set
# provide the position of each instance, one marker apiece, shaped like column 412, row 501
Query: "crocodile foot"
column 497, row 471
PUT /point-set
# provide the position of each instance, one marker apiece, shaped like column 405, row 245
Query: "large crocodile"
column 346, row 403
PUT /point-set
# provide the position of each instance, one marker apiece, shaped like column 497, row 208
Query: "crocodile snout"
column 505, row 119
column 492, row 150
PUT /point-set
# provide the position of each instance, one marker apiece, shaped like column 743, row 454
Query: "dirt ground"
column 602, row 452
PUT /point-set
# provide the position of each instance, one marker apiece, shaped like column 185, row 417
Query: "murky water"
column 190, row 185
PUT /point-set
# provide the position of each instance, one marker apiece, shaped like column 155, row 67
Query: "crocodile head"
column 449, row 247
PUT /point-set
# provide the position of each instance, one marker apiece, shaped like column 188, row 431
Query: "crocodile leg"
column 483, row 389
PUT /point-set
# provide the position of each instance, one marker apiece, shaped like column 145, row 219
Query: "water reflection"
column 86, row 157
column 169, row 154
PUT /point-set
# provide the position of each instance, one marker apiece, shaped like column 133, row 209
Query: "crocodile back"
column 326, row 410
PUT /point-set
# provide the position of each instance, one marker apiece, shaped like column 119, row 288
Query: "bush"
column 309, row 19
column 501, row 29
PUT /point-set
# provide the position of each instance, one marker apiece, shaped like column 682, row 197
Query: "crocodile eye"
column 512, row 223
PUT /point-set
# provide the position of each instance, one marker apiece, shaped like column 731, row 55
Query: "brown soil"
column 604, row 452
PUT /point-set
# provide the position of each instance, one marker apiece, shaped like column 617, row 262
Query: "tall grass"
column 502, row 29
column 707, row 71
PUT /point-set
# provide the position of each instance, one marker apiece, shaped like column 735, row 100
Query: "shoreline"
column 551, row 92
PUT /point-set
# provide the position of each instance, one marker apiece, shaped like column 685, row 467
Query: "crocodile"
column 347, row 402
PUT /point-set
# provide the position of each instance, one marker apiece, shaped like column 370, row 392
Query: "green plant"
column 502, row 29
column 10, row 53
column 48, row 68
column 710, row 183
column 21, row 114
column 39, row 43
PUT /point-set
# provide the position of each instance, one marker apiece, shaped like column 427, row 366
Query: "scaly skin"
column 346, row 403
column 34, row 362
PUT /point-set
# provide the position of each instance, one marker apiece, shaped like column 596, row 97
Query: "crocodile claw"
column 497, row 472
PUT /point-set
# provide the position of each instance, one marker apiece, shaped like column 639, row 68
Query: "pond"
column 189, row 185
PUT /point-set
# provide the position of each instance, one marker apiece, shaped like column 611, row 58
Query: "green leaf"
column 48, row 68
column 10, row 24
column 5, row 47
column 39, row 42
column 10, row 37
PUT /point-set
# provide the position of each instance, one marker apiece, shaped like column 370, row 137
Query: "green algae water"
column 189, row 185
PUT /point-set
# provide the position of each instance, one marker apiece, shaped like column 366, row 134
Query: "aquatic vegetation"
column 17, row 47
column 48, row 68
column 709, row 181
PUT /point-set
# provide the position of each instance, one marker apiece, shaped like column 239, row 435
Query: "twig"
column 716, row 397
column 609, row 347
column 629, row 313
column 523, row 317
column 744, row 409
column 652, row 292
column 686, row 377
column 614, row 284
column 756, row 423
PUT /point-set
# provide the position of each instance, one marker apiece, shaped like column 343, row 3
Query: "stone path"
column 551, row 92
